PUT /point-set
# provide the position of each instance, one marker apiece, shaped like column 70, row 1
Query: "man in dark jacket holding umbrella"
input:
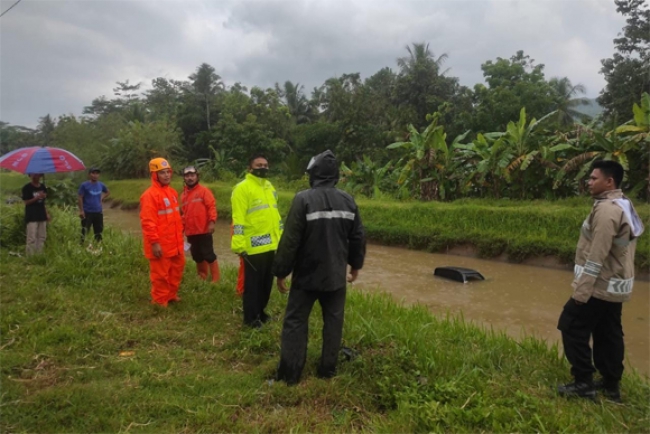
column 323, row 234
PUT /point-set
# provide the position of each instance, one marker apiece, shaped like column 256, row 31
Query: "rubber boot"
column 202, row 269
column 214, row 269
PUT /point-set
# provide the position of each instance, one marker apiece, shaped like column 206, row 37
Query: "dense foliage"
column 413, row 132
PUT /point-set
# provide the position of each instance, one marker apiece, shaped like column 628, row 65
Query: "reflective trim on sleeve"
column 197, row 199
column 592, row 268
column 238, row 230
column 577, row 271
column 620, row 286
column 330, row 215
column 166, row 211
column 257, row 208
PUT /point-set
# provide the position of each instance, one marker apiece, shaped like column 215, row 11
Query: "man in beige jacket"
column 604, row 275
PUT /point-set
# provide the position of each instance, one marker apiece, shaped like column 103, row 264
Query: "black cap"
column 94, row 169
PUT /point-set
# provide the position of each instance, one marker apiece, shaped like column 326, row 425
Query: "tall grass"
column 83, row 350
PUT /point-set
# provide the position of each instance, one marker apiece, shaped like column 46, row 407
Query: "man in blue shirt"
column 91, row 195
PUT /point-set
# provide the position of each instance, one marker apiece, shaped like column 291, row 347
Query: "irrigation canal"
column 518, row 299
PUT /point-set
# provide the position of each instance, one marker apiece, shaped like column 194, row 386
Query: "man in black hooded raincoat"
column 323, row 234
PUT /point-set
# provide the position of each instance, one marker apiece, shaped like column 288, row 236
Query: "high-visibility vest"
column 257, row 225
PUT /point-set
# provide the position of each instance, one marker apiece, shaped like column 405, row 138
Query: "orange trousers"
column 165, row 275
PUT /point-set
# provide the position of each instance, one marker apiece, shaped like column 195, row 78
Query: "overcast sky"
column 58, row 55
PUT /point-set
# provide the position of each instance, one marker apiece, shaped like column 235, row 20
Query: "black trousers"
column 600, row 320
column 202, row 248
column 94, row 219
column 295, row 330
column 258, row 281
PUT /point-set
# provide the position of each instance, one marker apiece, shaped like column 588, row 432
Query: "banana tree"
column 608, row 145
column 365, row 177
column 429, row 162
column 640, row 124
column 222, row 160
column 485, row 161
column 637, row 131
column 519, row 140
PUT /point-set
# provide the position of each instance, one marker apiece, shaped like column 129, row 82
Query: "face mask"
column 260, row 172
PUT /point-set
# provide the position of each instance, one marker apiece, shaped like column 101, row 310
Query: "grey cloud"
column 59, row 55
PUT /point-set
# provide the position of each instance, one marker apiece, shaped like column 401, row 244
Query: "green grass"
column 518, row 229
column 83, row 350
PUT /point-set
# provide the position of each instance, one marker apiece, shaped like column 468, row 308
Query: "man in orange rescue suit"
column 257, row 228
column 162, row 230
column 199, row 216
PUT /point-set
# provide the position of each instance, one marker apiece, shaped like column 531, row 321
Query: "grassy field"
column 83, row 350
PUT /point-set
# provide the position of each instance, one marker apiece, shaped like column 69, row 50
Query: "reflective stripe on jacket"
column 604, row 261
column 257, row 225
column 160, row 218
column 323, row 233
column 199, row 209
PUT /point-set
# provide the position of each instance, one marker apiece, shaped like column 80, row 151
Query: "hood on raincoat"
column 323, row 170
column 155, row 182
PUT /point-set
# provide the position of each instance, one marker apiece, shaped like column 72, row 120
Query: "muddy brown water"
column 517, row 299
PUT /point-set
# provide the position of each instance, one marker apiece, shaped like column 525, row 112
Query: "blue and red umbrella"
column 38, row 159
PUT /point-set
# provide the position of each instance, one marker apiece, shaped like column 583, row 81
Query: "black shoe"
column 610, row 391
column 579, row 389
column 325, row 373
column 256, row 324
column 286, row 375
column 264, row 318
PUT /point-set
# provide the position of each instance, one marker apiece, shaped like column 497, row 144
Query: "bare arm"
column 80, row 200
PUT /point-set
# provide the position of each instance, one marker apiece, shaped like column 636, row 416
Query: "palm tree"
column 566, row 101
column 206, row 84
column 296, row 101
column 420, row 56
column 421, row 86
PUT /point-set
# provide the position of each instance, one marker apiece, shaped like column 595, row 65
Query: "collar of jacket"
column 610, row 194
column 260, row 181
column 186, row 188
column 324, row 183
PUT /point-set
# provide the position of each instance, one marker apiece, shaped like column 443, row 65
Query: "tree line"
column 410, row 132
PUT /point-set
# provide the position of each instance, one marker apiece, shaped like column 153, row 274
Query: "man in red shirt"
column 162, row 232
column 199, row 216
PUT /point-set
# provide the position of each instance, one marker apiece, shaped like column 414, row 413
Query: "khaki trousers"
column 36, row 233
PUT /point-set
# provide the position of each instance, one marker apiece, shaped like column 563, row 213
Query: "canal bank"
column 518, row 299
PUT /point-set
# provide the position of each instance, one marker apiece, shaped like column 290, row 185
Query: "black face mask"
column 260, row 172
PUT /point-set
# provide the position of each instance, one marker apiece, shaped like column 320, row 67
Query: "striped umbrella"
column 39, row 159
